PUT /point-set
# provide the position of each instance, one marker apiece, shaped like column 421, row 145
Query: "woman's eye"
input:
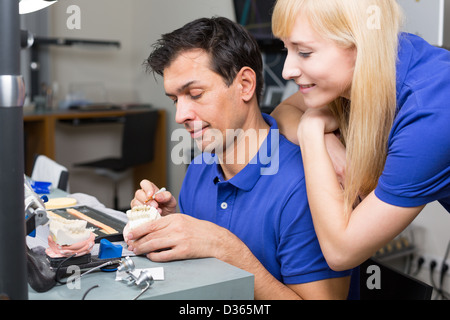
column 305, row 54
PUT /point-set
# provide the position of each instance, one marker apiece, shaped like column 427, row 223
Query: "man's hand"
column 176, row 237
column 164, row 201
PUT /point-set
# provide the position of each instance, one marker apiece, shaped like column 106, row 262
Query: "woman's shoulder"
column 423, row 71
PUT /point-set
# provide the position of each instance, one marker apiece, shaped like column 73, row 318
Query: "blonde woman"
column 388, row 93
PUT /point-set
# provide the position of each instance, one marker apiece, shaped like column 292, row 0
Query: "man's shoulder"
column 285, row 169
column 290, row 157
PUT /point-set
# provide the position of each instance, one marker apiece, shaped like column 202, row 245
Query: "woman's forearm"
column 325, row 194
column 346, row 240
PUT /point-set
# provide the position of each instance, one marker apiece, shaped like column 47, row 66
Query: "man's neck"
column 247, row 143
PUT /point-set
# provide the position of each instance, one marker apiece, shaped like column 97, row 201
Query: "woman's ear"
column 247, row 81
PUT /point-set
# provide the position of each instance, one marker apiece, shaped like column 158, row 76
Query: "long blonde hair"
column 372, row 27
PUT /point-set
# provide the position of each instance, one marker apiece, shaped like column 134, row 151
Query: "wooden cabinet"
column 39, row 134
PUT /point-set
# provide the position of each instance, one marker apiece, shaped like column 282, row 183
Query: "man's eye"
column 195, row 97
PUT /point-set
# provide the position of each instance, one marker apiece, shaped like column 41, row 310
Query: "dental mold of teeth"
column 68, row 237
column 67, row 232
column 139, row 215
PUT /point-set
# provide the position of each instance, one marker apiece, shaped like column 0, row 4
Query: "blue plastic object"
column 42, row 187
column 109, row 250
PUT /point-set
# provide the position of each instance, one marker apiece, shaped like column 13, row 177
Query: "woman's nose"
column 291, row 69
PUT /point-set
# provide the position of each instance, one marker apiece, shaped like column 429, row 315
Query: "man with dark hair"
column 230, row 46
column 247, row 207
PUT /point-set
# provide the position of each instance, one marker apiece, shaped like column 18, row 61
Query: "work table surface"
column 197, row 279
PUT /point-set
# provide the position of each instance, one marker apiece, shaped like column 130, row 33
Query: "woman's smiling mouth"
column 305, row 88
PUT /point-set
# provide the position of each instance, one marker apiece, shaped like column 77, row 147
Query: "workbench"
column 197, row 279
column 194, row 279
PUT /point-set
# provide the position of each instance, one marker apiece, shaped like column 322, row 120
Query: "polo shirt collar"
column 247, row 177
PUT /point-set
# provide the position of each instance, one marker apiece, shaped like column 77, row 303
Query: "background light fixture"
column 28, row 6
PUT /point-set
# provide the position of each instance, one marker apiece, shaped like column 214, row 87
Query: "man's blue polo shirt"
column 265, row 205
column 417, row 169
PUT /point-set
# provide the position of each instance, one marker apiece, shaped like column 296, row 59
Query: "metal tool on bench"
column 144, row 280
column 35, row 213
column 40, row 276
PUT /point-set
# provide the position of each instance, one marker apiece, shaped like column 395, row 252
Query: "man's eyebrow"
column 182, row 88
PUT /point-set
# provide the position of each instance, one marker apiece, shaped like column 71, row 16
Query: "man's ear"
column 247, row 81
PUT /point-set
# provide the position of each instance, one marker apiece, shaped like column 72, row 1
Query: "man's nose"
column 184, row 112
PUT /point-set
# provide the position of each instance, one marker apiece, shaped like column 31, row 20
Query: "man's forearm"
column 236, row 253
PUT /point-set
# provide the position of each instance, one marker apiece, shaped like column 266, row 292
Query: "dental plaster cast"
column 138, row 216
column 68, row 237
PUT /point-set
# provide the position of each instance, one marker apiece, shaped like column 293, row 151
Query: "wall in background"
column 137, row 25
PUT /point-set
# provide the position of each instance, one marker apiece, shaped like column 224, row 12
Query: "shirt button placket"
column 225, row 200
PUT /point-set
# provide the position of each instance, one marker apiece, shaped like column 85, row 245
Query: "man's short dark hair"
column 230, row 46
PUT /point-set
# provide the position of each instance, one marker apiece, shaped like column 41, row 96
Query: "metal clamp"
column 145, row 279
column 12, row 91
column 35, row 213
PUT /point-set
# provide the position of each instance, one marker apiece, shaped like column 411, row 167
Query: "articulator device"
column 35, row 213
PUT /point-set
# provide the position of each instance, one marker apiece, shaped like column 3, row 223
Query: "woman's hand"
column 316, row 121
column 322, row 122
column 336, row 151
